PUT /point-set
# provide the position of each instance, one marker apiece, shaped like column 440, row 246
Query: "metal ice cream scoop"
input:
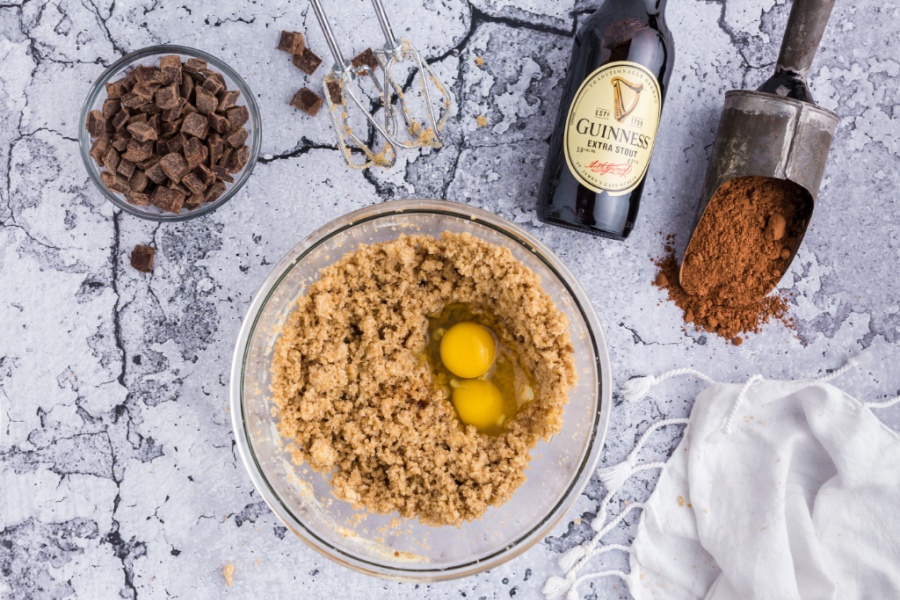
column 777, row 131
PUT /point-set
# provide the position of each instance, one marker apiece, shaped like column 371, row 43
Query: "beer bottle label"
column 611, row 127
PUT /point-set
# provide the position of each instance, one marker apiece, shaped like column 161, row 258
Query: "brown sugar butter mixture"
column 740, row 250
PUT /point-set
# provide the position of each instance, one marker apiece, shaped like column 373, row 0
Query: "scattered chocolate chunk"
column 137, row 198
column 196, row 125
column 167, row 199
column 204, row 174
column 219, row 124
column 206, row 101
column 194, row 65
column 291, row 42
column 227, row 99
column 116, row 89
column 142, row 132
column 238, row 116
column 173, row 144
column 111, row 160
column 120, row 141
column 193, row 183
column 334, row 91
column 168, row 97
column 307, row 61
column 171, row 69
column 170, row 60
column 132, row 100
column 239, row 159
column 148, row 74
column 96, row 124
column 168, row 129
column 156, row 174
column 142, row 258
column 173, row 114
column 366, row 58
column 146, row 90
column 125, row 169
column 110, row 107
column 213, row 84
column 120, row 120
column 116, row 183
column 307, row 100
column 174, row 165
column 236, row 138
column 194, row 200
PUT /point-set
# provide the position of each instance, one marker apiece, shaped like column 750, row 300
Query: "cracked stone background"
column 119, row 476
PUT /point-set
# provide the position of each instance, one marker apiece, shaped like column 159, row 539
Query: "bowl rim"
column 589, row 462
column 99, row 87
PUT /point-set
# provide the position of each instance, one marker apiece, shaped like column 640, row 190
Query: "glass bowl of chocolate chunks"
column 169, row 133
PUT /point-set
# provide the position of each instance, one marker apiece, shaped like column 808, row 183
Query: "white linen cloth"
column 778, row 491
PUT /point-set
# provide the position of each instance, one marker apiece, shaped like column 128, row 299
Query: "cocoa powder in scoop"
column 737, row 255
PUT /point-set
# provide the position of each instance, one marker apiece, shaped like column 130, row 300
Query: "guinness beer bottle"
column 607, row 122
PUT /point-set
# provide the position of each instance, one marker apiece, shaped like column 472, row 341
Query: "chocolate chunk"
column 236, row 138
column 151, row 109
column 227, row 99
column 167, row 199
column 114, row 182
column 120, row 141
column 96, row 124
column 206, row 101
column 205, row 174
column 222, row 173
column 193, row 183
column 173, row 114
column 110, row 107
column 187, row 88
column 171, row 69
column 111, row 160
column 116, row 89
column 216, row 148
column 194, row 65
column 218, row 80
column 213, row 84
column 174, row 166
column 125, row 169
column 237, row 116
column 226, row 156
column 156, row 174
column 142, row 258
column 215, row 190
column 306, row 61
column 99, row 148
column 148, row 74
column 188, row 109
column 138, row 118
column 142, row 132
column 153, row 122
column 169, row 60
column 168, row 97
column 178, row 187
column 307, row 100
column 193, row 152
column 238, row 159
column 195, row 200
column 138, row 151
column 218, row 123
column 146, row 90
column 168, row 129
column 366, row 58
column 175, row 143
column 132, row 100
column 334, row 91
column 138, row 181
column 291, row 42
column 137, row 198
column 120, row 120
column 195, row 125
column 146, row 164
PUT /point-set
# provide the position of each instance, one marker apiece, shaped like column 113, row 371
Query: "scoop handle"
column 805, row 27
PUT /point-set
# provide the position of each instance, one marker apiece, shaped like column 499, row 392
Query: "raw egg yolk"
column 479, row 403
column 467, row 350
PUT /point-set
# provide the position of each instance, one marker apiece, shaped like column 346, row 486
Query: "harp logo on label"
column 611, row 127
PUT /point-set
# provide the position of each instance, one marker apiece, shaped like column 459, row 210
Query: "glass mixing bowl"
column 150, row 56
column 388, row 545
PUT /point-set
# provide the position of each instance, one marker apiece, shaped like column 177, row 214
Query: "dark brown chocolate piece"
column 238, row 116
column 146, row 90
column 156, row 174
column 307, row 100
column 306, row 61
column 236, row 138
column 334, row 91
column 120, row 120
column 169, row 129
column 167, row 199
column 193, row 183
column 148, row 74
column 291, row 42
column 227, row 99
column 142, row 258
column 173, row 114
column 111, row 160
column 216, row 148
column 138, row 151
column 137, row 198
column 195, row 125
column 222, row 173
column 125, row 169
column 96, row 124
column 99, row 148
column 194, row 200
column 193, row 152
column 218, row 123
column 174, row 166
column 116, row 89
column 238, row 159
column 132, row 100
column 205, row 174
column 366, row 58
column 168, row 97
column 120, row 141
column 215, row 190
column 213, row 84
column 142, row 132
column 138, row 181
column 194, row 65
column 116, row 183
column 206, row 101
column 187, row 88
column 175, row 143
column 110, row 107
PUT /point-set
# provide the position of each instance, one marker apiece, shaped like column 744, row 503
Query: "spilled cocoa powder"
column 739, row 252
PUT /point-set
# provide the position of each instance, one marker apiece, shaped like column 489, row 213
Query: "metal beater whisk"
column 339, row 95
column 417, row 132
